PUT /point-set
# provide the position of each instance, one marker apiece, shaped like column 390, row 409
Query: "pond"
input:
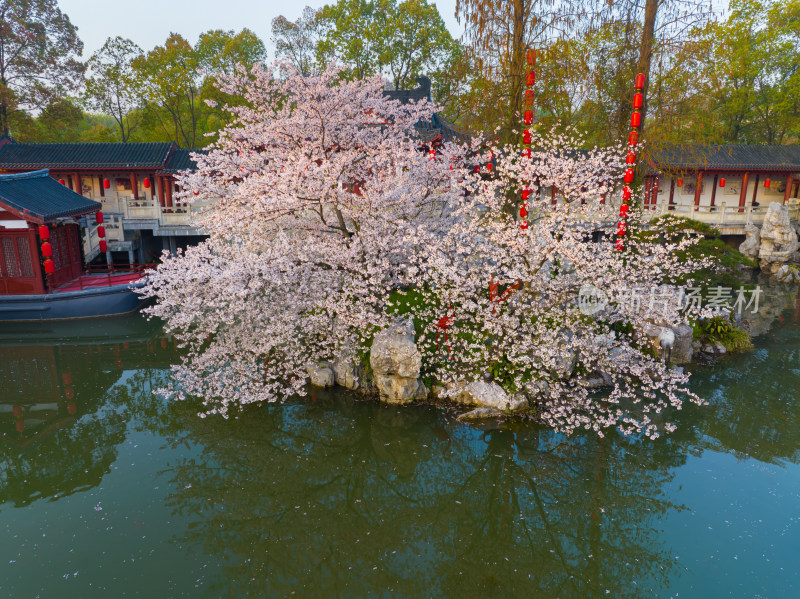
column 108, row 491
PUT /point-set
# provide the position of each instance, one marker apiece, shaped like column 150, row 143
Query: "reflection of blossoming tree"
column 331, row 220
column 406, row 500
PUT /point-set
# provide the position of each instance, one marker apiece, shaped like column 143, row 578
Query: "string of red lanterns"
column 527, row 134
column 630, row 161
column 101, row 231
column 47, row 249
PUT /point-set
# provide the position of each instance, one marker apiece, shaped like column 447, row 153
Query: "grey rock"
column 480, row 414
column 489, row 395
column 348, row 373
column 778, row 239
column 396, row 363
column 750, row 246
column 321, row 374
column 788, row 273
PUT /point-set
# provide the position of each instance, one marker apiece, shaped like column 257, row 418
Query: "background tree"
column 39, row 50
column 170, row 85
column 296, row 41
column 112, row 86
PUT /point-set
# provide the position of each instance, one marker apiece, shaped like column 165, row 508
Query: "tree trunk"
column 646, row 49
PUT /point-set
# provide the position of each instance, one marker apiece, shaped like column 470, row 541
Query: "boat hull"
column 85, row 303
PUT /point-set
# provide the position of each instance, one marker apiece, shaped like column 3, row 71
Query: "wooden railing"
column 722, row 214
column 91, row 276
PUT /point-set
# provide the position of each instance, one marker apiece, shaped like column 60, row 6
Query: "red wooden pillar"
column 698, row 188
column 161, row 199
column 654, row 192
column 714, row 189
column 169, row 184
column 672, row 190
column 755, row 190
column 743, row 191
column 789, row 184
column 135, row 186
column 38, row 269
column 553, row 195
column 78, row 186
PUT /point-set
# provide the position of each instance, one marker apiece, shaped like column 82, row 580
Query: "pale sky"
column 149, row 22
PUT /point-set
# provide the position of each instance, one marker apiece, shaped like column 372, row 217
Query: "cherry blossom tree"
column 332, row 217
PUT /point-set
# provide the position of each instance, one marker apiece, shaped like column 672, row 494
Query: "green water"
column 107, row 491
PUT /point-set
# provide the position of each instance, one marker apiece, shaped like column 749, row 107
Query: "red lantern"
column 621, row 228
column 526, row 193
column 530, row 56
column 531, row 79
column 20, row 426
column 722, row 181
column 62, row 181
column 528, row 117
column 636, row 119
column 639, row 82
column 66, row 377
column 17, row 411
column 526, row 137
column 626, row 194
column 529, row 96
column 477, row 168
column 633, row 138
column 146, row 183
column 49, row 266
column 163, row 344
column 489, row 166
column 47, row 250
column 680, row 181
column 523, row 211
column 638, row 100
column 71, row 408
column 99, row 218
column 623, row 210
column 618, row 245
column 106, row 183
column 432, row 154
column 526, row 152
column 524, row 225
column 197, row 192
column 767, row 183
column 44, row 232
column 101, row 231
column 629, row 175
column 630, row 158
column 69, row 392
column 103, row 246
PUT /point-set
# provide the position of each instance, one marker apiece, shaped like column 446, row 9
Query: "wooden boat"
column 42, row 276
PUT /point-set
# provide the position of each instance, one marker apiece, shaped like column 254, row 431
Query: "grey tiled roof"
column 41, row 197
column 85, row 155
column 726, row 157
column 181, row 160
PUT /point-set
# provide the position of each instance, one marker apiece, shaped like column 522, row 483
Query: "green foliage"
column 721, row 330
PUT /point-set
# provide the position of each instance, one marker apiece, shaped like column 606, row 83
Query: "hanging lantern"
column 101, row 231
column 639, row 81
column 527, row 138
column 197, row 192
column 66, row 377
column 49, row 266
column 47, row 250
column 103, row 246
column 529, row 95
column 489, row 166
column 633, row 138
column 623, row 210
column 98, row 217
column 526, row 153
column 621, row 228
column 680, row 181
column 630, row 158
column 72, row 408
column 629, row 176
column 524, row 225
column 69, row 392
column 638, row 100
column 44, row 232
column 636, row 119
column 17, row 411
column 626, row 193
column 62, row 181
column 531, row 79
column 528, row 117
column 146, row 183
column 163, row 344
column 106, row 183
column 523, row 211
column 530, row 56
column 19, row 425
column 722, row 181
column 767, row 183
column 477, row 168
column 526, row 193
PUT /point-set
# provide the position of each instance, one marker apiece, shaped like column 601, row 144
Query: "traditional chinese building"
column 134, row 182
column 724, row 185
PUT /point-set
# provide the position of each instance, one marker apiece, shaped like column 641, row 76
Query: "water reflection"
column 334, row 495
